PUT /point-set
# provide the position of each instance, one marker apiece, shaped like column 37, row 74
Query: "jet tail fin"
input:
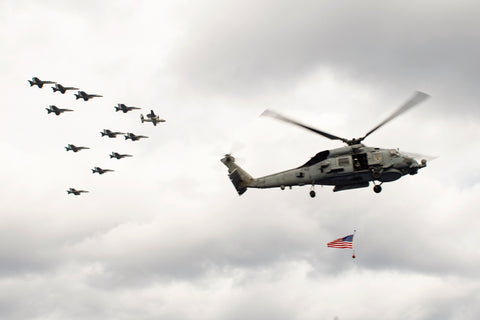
column 240, row 178
column 31, row 83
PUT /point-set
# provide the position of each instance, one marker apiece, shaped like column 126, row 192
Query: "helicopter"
column 350, row 167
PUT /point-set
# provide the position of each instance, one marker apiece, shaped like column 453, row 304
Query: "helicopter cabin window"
column 360, row 162
column 343, row 162
column 378, row 157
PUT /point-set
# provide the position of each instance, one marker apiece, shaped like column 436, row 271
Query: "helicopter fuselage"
column 345, row 168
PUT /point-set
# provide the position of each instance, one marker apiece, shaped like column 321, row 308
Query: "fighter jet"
column 85, row 96
column 56, row 110
column 75, row 148
column 110, row 134
column 151, row 117
column 62, row 89
column 124, row 108
column 100, row 170
column 37, row 82
column 76, row 192
column 119, row 156
column 133, row 137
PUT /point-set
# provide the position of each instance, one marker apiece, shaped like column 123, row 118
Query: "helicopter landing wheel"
column 312, row 190
column 376, row 173
column 377, row 188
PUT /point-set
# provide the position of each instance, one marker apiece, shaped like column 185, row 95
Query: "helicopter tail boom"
column 239, row 177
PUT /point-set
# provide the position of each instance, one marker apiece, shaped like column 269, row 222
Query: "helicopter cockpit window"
column 395, row 153
column 319, row 157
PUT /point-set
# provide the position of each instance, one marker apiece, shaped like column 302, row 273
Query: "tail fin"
column 77, row 96
column 54, row 89
column 142, row 118
column 239, row 177
column 31, row 83
column 48, row 110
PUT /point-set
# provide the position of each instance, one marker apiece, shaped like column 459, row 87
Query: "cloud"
column 252, row 48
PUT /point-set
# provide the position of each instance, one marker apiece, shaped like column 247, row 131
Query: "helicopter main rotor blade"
column 273, row 114
column 418, row 156
column 410, row 103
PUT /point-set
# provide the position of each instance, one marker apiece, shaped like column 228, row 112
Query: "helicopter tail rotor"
column 239, row 177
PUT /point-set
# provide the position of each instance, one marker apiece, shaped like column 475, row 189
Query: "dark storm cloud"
column 250, row 48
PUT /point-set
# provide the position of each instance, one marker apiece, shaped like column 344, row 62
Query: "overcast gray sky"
column 166, row 236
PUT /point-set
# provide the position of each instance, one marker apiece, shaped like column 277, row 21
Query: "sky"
column 166, row 236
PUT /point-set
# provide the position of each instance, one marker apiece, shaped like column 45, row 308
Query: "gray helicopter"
column 349, row 167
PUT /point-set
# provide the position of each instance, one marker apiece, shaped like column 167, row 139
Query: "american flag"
column 345, row 242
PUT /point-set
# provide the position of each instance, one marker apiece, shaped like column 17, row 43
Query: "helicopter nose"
column 410, row 161
column 415, row 166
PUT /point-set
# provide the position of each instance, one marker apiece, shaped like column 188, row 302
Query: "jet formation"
column 150, row 117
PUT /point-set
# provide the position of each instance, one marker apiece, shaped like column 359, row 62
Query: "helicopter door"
column 360, row 162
